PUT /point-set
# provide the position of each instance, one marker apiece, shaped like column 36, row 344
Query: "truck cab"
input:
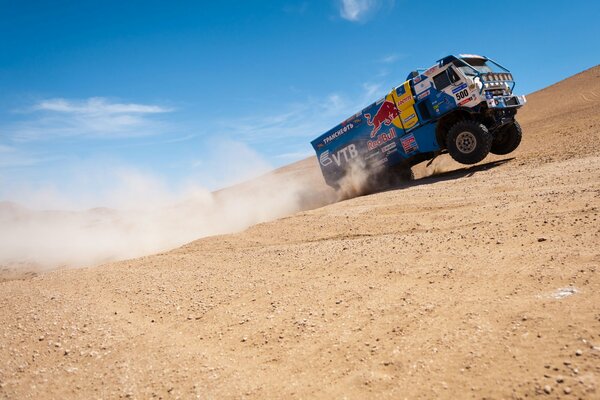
column 469, row 83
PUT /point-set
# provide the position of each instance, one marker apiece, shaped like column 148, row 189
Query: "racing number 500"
column 462, row 94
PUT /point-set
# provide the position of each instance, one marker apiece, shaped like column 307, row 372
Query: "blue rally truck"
column 463, row 105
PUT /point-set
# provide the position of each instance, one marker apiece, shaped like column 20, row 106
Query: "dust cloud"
column 362, row 179
column 437, row 166
column 356, row 181
column 41, row 240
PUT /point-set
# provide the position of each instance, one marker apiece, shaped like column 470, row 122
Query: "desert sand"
column 470, row 282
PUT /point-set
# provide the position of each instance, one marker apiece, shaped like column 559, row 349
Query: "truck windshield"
column 471, row 66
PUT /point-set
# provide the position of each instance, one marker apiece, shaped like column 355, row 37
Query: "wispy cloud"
column 389, row 59
column 97, row 106
column 17, row 158
column 371, row 90
column 297, row 120
column 286, row 133
column 94, row 117
column 298, row 8
column 6, row 149
column 360, row 10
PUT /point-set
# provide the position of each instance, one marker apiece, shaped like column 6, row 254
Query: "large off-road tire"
column 507, row 139
column 468, row 142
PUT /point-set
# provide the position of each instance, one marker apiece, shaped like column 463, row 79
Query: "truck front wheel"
column 507, row 140
column 468, row 142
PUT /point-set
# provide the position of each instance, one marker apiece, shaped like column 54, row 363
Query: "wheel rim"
column 466, row 142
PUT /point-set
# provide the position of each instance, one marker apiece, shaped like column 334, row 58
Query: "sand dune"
column 477, row 282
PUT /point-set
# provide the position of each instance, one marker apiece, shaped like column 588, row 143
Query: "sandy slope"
column 480, row 282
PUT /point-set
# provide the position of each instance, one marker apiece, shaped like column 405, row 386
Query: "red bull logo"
column 385, row 115
column 381, row 139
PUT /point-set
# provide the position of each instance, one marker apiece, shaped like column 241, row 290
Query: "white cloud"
column 286, row 134
column 19, row 159
column 11, row 157
column 389, row 59
column 94, row 117
column 6, row 149
column 372, row 90
column 97, row 105
column 355, row 10
column 362, row 10
column 301, row 121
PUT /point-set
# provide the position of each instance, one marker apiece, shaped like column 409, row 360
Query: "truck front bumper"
column 506, row 102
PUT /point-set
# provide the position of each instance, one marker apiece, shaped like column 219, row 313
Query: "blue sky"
column 160, row 96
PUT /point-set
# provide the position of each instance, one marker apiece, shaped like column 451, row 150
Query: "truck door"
column 454, row 86
column 404, row 99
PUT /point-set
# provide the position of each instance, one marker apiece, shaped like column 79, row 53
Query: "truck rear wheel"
column 468, row 142
column 507, row 139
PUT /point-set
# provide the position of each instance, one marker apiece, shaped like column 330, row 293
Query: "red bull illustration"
column 385, row 115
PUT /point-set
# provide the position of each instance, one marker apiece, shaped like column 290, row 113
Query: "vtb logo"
column 343, row 155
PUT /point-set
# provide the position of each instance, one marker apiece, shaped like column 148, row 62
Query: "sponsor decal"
column 464, row 101
column 423, row 95
column 411, row 116
column 388, row 147
column 409, row 144
column 400, row 90
column 463, row 94
column 381, row 139
column 338, row 133
column 404, row 100
column 341, row 156
column 324, row 158
column 431, row 70
column 384, row 116
column 372, row 155
column 349, row 152
column 421, row 87
column 380, row 162
column 459, row 88
column 355, row 119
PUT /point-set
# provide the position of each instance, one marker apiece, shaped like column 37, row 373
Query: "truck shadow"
column 465, row 172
